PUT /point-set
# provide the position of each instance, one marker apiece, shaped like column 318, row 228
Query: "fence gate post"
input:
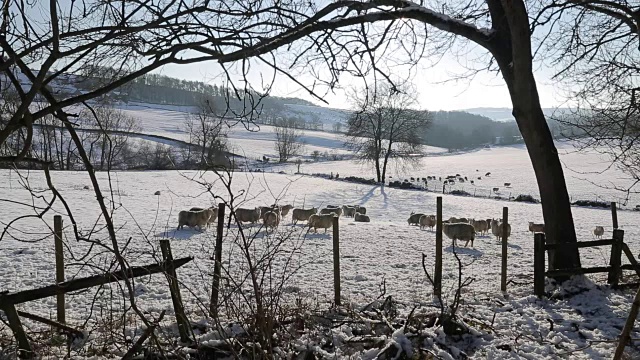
column 178, row 307
column 24, row 348
column 538, row 265
column 616, row 257
column 437, row 274
column 217, row 266
column 336, row 260
column 614, row 215
column 505, row 223
column 57, row 229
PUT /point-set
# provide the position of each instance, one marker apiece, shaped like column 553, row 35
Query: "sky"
column 436, row 85
column 439, row 87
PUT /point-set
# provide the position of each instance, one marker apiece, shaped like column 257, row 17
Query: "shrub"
column 460, row 192
column 360, row 180
column 592, row 203
column 526, row 198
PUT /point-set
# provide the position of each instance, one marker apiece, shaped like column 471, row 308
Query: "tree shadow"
column 385, row 200
column 465, row 251
column 184, row 234
column 314, row 236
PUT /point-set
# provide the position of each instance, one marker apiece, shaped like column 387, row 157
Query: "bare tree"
column 599, row 66
column 206, row 128
column 385, row 128
column 111, row 136
column 288, row 139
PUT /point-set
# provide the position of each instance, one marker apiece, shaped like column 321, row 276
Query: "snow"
column 588, row 174
column 387, row 248
column 384, row 250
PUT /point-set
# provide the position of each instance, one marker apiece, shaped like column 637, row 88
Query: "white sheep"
column 361, row 217
column 194, row 218
column 497, row 229
column 214, row 214
column 536, row 228
column 327, row 211
column 598, row 231
column 302, row 214
column 481, row 226
column 248, row 215
column 459, row 231
column 271, row 220
column 284, row 209
column 361, row 209
column 427, row 221
column 414, row 219
column 321, row 221
column 348, row 211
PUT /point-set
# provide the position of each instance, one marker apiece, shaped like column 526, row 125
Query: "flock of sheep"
column 271, row 216
column 466, row 229
column 462, row 228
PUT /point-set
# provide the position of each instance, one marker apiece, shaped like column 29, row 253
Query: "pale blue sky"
column 436, row 87
column 437, row 90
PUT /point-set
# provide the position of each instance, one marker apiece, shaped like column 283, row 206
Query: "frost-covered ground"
column 387, row 248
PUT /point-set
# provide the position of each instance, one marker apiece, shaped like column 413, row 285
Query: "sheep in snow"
column 214, row 214
column 266, row 209
column 248, row 215
column 459, row 231
column 193, row 218
column 321, row 221
column 598, row 231
column 326, row 211
column 348, row 211
column 495, row 190
column 487, row 174
column 361, row 217
column 481, row 226
column 271, row 220
column 284, row 209
column 414, row 219
column 507, row 184
column 302, row 214
column 536, row 228
column 361, row 209
column 427, row 221
column 497, row 229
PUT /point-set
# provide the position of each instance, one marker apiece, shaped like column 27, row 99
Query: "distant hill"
column 505, row 114
column 451, row 129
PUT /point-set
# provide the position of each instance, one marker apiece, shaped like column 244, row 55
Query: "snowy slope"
column 385, row 248
column 588, row 174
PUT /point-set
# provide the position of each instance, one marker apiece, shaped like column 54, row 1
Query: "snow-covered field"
column 259, row 141
column 589, row 175
column 387, row 248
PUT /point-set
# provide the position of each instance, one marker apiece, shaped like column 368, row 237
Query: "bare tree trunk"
column 512, row 50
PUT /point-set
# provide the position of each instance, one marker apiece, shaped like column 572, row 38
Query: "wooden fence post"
column 336, row 260
column 538, row 264
column 217, row 266
column 181, row 318
column 24, row 348
column 57, row 229
column 616, row 257
column 614, row 215
column 437, row 274
column 505, row 232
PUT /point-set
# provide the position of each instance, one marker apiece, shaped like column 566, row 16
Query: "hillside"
column 451, row 129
